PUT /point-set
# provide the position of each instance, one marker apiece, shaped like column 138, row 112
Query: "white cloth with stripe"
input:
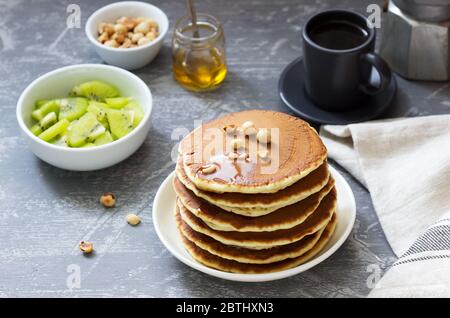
column 405, row 165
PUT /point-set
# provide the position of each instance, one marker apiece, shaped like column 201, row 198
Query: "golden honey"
column 198, row 53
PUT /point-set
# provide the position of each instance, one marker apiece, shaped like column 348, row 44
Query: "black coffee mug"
column 338, row 49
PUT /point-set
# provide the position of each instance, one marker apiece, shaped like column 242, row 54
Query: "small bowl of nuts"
column 127, row 34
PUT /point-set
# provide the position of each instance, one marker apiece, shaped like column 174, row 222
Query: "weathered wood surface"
column 45, row 212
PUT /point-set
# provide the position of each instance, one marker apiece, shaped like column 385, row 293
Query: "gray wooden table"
column 45, row 212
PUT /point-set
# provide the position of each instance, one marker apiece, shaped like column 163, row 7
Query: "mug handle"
column 383, row 70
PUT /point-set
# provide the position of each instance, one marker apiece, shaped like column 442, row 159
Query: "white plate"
column 165, row 225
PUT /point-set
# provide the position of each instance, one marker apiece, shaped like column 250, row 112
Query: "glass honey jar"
column 198, row 53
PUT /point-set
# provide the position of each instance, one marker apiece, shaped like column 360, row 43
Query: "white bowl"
column 58, row 83
column 131, row 58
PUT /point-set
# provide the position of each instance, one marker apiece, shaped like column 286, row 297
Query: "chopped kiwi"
column 48, row 107
column 48, row 120
column 54, row 130
column 40, row 103
column 120, row 122
column 36, row 129
column 88, row 145
column 93, row 115
column 117, row 102
column 44, row 123
column 60, row 140
column 72, row 108
column 138, row 112
column 99, row 109
column 104, row 139
column 85, row 130
column 95, row 90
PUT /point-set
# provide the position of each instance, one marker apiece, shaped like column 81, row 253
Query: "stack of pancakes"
column 237, row 215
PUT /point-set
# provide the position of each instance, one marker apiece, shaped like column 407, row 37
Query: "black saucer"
column 293, row 94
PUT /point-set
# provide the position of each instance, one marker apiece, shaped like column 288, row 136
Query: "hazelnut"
column 263, row 136
column 128, row 22
column 230, row 129
column 86, row 247
column 111, row 43
column 209, row 168
column 120, row 28
column 152, row 23
column 233, row 156
column 142, row 27
column 263, row 154
column 105, row 27
column 151, row 35
column 244, row 156
column 103, row 37
column 237, row 143
column 136, row 37
column 250, row 131
column 118, row 37
column 101, row 27
column 139, row 20
column 133, row 219
column 126, row 43
column 108, row 200
column 143, row 41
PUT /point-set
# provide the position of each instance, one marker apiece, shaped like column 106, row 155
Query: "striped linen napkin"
column 405, row 165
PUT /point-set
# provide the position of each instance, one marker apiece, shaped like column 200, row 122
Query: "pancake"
column 260, row 204
column 226, row 265
column 295, row 150
column 264, row 240
column 244, row 255
column 284, row 218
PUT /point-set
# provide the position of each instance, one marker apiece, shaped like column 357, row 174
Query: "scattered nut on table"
column 108, row 200
column 127, row 32
column 86, row 247
column 133, row 219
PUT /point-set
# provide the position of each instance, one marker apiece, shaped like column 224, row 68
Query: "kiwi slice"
column 44, row 123
column 60, row 140
column 85, row 130
column 36, row 129
column 138, row 112
column 104, row 139
column 54, row 130
column 88, row 145
column 120, row 122
column 48, row 107
column 40, row 103
column 99, row 109
column 117, row 102
column 48, row 120
column 95, row 90
column 72, row 108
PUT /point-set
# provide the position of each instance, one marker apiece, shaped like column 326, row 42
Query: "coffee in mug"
column 338, row 47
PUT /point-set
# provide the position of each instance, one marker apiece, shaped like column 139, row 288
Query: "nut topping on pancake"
column 244, row 156
column 208, row 168
column 237, row 144
column 230, row 129
column 233, row 156
column 263, row 136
